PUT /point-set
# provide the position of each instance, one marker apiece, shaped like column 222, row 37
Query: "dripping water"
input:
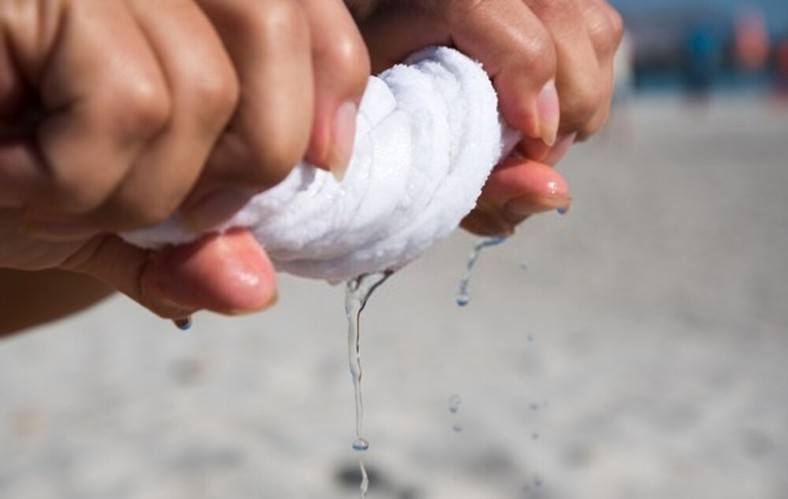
column 183, row 324
column 463, row 298
column 357, row 292
column 454, row 403
column 454, row 407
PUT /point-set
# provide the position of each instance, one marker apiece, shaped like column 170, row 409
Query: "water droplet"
column 534, row 406
column 534, row 436
column 562, row 211
column 456, row 428
column 183, row 324
column 454, row 403
column 530, row 338
column 524, row 266
column 360, row 445
column 463, row 299
column 538, row 481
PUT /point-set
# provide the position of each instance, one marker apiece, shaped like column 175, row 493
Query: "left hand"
column 551, row 63
column 140, row 113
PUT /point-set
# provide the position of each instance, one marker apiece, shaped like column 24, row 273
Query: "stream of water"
column 463, row 298
column 357, row 292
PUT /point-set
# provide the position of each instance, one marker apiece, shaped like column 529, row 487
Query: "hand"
column 112, row 115
column 551, row 63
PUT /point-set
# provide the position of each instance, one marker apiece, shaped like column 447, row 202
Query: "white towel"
column 428, row 135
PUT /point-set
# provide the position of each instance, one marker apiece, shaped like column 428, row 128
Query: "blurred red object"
column 751, row 41
column 781, row 66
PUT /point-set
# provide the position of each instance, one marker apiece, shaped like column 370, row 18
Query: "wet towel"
column 428, row 134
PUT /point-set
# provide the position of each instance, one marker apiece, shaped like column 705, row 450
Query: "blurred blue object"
column 692, row 43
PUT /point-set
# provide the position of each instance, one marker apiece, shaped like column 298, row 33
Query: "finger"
column 268, row 42
column 204, row 92
column 504, row 35
column 598, row 120
column 96, row 123
column 515, row 190
column 486, row 224
column 228, row 273
column 605, row 28
column 341, row 69
column 579, row 79
column 538, row 151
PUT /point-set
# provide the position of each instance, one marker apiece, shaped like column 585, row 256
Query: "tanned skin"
column 29, row 299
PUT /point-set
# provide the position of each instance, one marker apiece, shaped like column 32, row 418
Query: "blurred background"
column 635, row 348
column 731, row 46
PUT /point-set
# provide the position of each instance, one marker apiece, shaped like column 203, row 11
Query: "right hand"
column 113, row 115
column 551, row 63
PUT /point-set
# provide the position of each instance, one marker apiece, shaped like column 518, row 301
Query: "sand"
column 636, row 348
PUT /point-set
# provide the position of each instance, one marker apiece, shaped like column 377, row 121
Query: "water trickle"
column 463, row 298
column 364, row 486
column 357, row 292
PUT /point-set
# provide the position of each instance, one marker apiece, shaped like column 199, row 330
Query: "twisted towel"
column 428, row 135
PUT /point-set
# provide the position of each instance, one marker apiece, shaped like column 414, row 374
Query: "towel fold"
column 427, row 136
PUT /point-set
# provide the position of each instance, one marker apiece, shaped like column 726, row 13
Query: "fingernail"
column 536, row 203
column 213, row 209
column 342, row 143
column 549, row 113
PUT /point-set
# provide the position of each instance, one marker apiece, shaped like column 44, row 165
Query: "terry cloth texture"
column 428, row 135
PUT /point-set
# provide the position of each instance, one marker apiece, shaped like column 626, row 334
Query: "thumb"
column 225, row 273
column 516, row 189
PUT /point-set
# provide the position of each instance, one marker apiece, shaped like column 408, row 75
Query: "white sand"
column 658, row 368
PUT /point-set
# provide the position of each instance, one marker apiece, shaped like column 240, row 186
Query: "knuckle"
column 605, row 27
column 558, row 7
column 273, row 159
column 616, row 21
column 458, row 10
column 580, row 104
column 145, row 107
column 348, row 58
column 617, row 24
column 216, row 95
column 538, row 55
column 277, row 17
